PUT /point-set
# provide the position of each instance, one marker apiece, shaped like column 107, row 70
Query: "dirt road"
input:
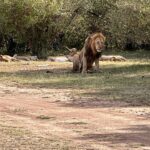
column 53, row 119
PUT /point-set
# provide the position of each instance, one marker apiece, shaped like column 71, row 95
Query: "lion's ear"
column 86, row 39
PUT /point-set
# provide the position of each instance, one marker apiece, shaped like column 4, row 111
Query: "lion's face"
column 97, row 42
column 99, row 45
column 72, row 51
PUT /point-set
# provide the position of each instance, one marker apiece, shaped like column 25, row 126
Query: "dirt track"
column 48, row 115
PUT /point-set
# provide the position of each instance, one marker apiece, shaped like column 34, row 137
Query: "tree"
column 41, row 23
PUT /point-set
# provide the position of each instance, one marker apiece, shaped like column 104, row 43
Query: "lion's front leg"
column 97, row 68
column 84, row 61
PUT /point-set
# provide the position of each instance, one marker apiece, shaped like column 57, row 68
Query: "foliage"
column 31, row 21
column 130, row 23
column 39, row 23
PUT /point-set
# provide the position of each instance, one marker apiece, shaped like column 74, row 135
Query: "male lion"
column 90, row 53
column 92, row 50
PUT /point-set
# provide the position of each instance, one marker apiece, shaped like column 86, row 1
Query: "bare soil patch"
column 52, row 119
column 45, row 106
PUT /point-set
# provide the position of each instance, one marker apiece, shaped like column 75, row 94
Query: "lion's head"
column 95, row 42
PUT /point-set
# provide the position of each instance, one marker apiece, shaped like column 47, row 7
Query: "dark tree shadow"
column 138, row 134
column 79, row 82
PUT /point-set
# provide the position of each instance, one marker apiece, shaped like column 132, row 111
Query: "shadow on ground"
column 135, row 135
column 114, row 86
column 64, row 78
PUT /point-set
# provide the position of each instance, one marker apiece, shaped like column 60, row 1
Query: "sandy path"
column 89, row 128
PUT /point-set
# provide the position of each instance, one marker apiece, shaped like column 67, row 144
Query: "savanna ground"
column 45, row 106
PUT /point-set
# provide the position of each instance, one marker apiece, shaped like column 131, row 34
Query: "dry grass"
column 19, row 138
column 126, row 81
column 119, row 82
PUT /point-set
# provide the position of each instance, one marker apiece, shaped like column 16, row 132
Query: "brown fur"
column 76, row 63
column 74, row 56
column 90, row 53
column 77, row 60
column 72, row 51
column 93, row 47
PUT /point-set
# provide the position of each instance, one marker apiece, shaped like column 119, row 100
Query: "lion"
column 75, row 57
column 90, row 53
column 7, row 58
column 112, row 58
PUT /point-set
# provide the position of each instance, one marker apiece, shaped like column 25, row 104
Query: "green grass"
column 126, row 81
